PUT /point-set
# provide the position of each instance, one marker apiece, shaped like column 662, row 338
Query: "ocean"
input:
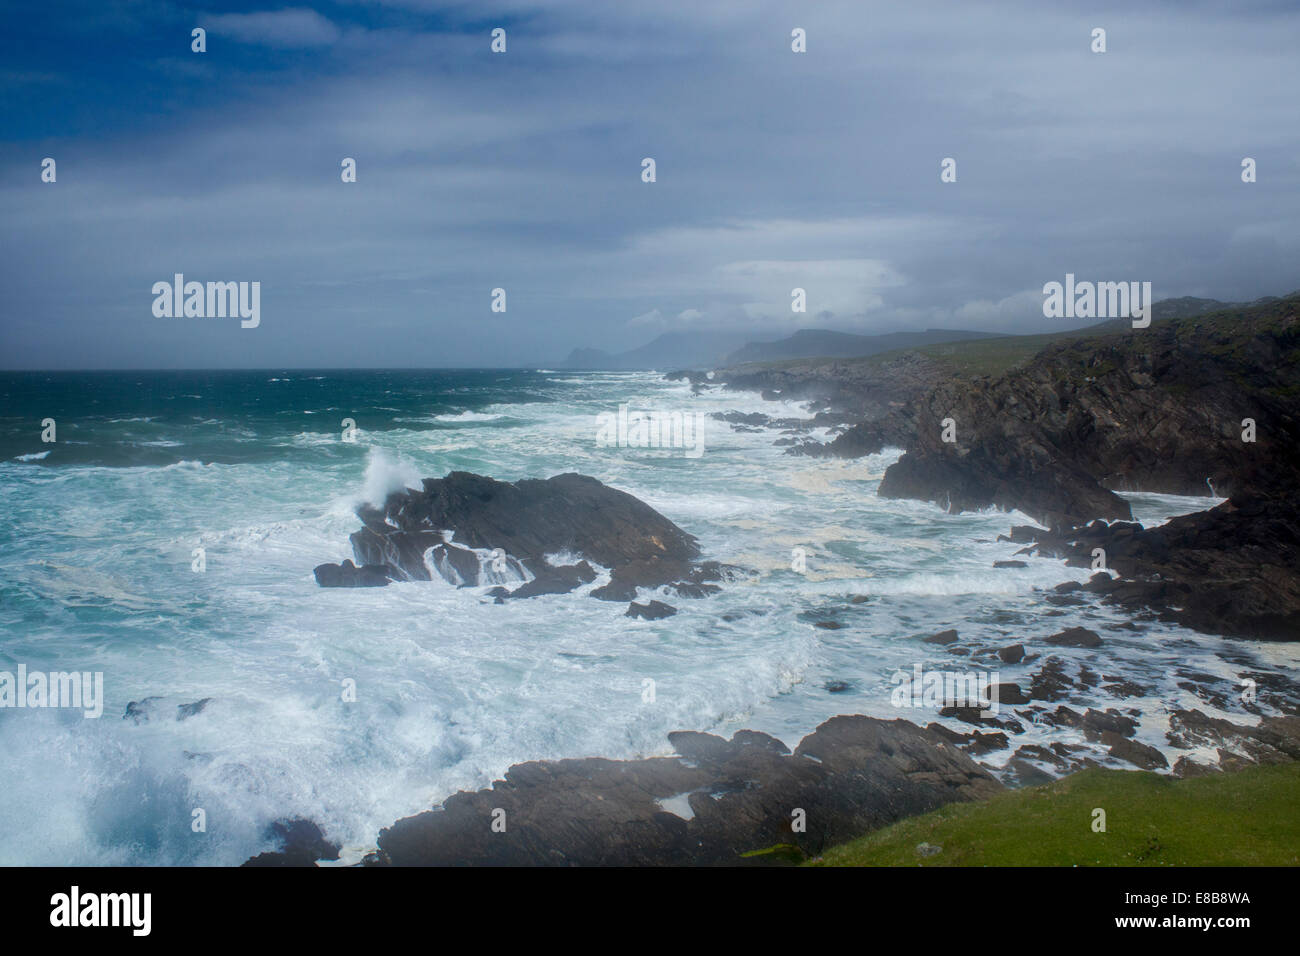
column 100, row 532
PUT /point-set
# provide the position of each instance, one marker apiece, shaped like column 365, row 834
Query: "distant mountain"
column 672, row 350
column 822, row 343
column 709, row 350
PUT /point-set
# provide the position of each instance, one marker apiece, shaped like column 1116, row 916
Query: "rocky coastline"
column 1205, row 405
column 1056, row 437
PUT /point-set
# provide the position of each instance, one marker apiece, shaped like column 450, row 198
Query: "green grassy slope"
column 992, row 357
column 1247, row 818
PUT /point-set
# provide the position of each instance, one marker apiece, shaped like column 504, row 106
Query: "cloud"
column 652, row 319
column 775, row 171
column 280, row 28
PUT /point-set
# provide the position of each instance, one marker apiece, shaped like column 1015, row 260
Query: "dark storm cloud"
column 522, row 171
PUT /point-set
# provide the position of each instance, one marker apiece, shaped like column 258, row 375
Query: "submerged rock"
column 145, row 709
column 1075, row 637
column 185, row 711
column 652, row 611
column 943, row 637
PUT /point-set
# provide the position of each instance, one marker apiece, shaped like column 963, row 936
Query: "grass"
column 1227, row 331
column 967, row 358
column 992, row 357
column 1246, row 818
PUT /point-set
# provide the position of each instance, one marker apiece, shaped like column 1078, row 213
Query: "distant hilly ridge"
column 815, row 343
column 712, row 349
column 670, row 350
column 674, row 350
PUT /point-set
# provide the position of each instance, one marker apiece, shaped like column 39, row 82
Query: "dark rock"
column 853, row 775
column 462, row 519
column 1123, row 687
column 141, row 710
column 864, row 389
column 1012, row 654
column 1234, row 569
column 987, row 743
column 185, row 711
column 554, row 580
column 1008, row 694
column 1051, row 683
column 1075, row 637
column 652, row 611
column 688, row 590
column 1138, row 754
column 943, row 637
column 1186, row 767
column 1010, row 564
column 754, row 738
column 301, row 844
column 1096, row 724
column 828, row 625
column 1022, row 773
column 752, row 419
column 1275, row 740
column 1158, row 410
column 976, row 716
column 348, row 575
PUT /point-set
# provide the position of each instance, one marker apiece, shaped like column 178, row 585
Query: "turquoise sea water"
column 97, row 538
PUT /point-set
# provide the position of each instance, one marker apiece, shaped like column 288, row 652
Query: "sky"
column 522, row 171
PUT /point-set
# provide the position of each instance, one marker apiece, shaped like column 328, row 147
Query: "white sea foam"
column 385, row 474
column 452, row 688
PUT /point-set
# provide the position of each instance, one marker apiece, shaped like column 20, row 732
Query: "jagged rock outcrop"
column 475, row 530
column 1234, row 569
column 1273, row 740
column 868, row 388
column 650, row 611
column 713, row 804
column 1162, row 409
column 302, row 843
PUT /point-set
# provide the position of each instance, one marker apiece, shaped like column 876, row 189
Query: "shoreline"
column 1165, row 572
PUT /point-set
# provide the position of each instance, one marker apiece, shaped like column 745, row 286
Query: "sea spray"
column 386, row 473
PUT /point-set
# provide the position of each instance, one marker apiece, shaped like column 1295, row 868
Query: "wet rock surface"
column 1160, row 409
column 715, row 802
column 301, row 844
column 1234, row 569
column 476, row 530
column 348, row 575
column 650, row 611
